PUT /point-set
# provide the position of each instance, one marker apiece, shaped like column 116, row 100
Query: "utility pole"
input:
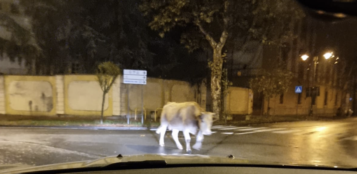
column 313, row 89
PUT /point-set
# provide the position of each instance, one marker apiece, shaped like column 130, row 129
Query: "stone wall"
column 81, row 95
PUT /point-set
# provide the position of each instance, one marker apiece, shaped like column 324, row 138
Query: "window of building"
column 14, row 9
column 281, row 98
column 314, row 93
column 299, row 98
column 313, row 98
column 326, row 96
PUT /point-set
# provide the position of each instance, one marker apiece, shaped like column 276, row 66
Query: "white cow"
column 187, row 117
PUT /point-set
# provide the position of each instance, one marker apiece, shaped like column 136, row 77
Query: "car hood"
column 169, row 159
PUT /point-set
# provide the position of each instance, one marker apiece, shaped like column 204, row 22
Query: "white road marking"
column 353, row 138
column 222, row 127
column 286, row 131
column 231, row 126
column 260, row 130
column 250, row 129
column 243, row 127
column 227, row 133
column 242, row 133
column 275, row 129
column 153, row 129
column 228, row 128
column 263, row 130
column 327, row 135
column 217, row 127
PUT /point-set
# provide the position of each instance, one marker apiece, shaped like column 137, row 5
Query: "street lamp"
column 328, row 55
column 304, row 57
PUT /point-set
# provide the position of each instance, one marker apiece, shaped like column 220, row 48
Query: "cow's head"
column 206, row 120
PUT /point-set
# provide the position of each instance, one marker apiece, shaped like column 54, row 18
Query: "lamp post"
column 313, row 91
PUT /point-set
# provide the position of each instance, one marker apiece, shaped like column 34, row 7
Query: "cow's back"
column 181, row 115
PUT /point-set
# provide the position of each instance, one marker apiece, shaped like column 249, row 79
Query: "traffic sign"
column 134, row 72
column 298, row 89
column 132, row 76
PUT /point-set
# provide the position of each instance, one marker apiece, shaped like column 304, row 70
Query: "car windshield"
column 271, row 81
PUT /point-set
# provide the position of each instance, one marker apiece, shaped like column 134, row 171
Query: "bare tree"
column 107, row 72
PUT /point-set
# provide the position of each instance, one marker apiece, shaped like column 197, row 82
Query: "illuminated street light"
column 315, row 59
column 328, row 55
column 304, row 57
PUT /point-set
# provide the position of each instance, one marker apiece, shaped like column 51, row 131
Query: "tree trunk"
column 268, row 107
column 216, row 75
column 102, row 111
column 262, row 104
column 216, row 64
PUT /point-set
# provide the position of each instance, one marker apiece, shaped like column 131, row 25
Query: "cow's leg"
column 162, row 134
column 175, row 137
column 160, row 128
column 186, row 133
column 199, row 139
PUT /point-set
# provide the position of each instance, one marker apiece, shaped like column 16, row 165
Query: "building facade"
column 333, row 95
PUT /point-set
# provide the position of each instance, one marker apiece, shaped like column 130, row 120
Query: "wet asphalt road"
column 318, row 143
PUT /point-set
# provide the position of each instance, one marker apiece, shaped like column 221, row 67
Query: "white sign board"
column 132, row 76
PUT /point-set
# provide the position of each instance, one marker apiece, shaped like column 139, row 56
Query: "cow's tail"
column 163, row 124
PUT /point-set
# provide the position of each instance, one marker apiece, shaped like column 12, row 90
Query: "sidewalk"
column 73, row 122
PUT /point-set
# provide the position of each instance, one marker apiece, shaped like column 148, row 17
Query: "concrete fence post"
column 116, row 96
column 128, row 103
column 167, row 91
column 60, row 94
column 2, row 95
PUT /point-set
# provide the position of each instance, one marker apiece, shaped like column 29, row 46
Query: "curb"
column 148, row 128
column 283, row 121
column 79, row 127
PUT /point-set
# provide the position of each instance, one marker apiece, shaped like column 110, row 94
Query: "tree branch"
column 223, row 39
column 112, row 82
column 224, row 36
column 207, row 35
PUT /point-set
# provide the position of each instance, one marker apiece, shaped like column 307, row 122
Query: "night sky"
column 338, row 36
